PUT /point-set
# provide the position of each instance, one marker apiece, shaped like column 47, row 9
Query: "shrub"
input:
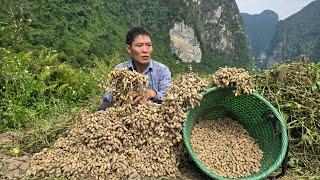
column 36, row 84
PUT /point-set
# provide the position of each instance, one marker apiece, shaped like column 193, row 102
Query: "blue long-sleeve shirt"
column 159, row 77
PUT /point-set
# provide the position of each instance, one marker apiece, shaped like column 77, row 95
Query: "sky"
column 284, row 8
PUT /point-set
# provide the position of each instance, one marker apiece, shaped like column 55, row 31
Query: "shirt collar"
column 132, row 67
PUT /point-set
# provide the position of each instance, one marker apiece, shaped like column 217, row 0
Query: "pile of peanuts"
column 226, row 148
column 120, row 84
column 238, row 78
column 125, row 139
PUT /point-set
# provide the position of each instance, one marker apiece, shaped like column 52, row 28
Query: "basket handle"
column 284, row 167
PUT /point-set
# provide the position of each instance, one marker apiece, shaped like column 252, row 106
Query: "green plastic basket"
column 248, row 110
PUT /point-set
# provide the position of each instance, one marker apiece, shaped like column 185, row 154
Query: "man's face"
column 140, row 49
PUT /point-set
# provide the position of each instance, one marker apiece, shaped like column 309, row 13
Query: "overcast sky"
column 284, row 8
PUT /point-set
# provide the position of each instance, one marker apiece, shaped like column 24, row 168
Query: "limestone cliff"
column 219, row 32
column 184, row 43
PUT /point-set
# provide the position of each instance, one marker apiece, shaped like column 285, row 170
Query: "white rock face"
column 217, row 13
column 225, row 44
column 216, row 33
column 184, row 43
column 197, row 1
column 215, row 16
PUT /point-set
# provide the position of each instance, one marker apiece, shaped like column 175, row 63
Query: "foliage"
column 295, row 90
column 34, row 85
column 44, row 134
column 79, row 29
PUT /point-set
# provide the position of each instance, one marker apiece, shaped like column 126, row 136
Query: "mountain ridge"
column 297, row 35
column 260, row 29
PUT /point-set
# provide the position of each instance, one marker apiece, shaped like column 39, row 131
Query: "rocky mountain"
column 260, row 29
column 298, row 35
column 207, row 33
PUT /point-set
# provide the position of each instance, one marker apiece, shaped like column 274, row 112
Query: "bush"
column 36, row 84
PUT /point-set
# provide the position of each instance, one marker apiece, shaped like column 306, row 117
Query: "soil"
column 13, row 167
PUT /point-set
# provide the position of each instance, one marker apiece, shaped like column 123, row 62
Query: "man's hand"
column 137, row 97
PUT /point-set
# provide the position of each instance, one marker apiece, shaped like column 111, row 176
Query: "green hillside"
column 82, row 30
column 297, row 35
column 78, row 30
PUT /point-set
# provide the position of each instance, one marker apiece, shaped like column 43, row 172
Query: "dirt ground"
column 11, row 167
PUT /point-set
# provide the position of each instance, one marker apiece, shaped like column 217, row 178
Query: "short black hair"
column 134, row 32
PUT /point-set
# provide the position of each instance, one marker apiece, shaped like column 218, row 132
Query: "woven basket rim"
column 260, row 175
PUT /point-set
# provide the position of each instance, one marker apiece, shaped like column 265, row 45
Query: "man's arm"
column 156, row 95
column 164, row 83
column 107, row 98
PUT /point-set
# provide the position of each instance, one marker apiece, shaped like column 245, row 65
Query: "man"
column 139, row 46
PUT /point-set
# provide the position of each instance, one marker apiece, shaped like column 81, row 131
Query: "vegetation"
column 81, row 30
column 78, row 30
column 36, row 85
column 294, row 88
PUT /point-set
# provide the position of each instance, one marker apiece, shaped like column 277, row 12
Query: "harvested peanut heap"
column 125, row 139
column 185, row 90
column 233, row 77
column 120, row 83
column 226, row 148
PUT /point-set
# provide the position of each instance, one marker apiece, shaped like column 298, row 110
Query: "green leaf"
column 45, row 73
column 62, row 87
column 51, row 87
column 314, row 87
column 15, row 151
